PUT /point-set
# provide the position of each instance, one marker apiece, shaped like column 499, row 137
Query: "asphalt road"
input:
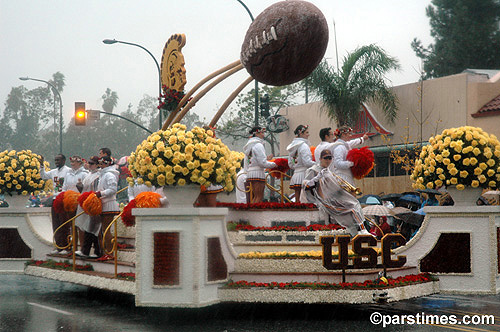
column 35, row 304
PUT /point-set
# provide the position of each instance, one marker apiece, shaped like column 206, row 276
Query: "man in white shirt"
column 57, row 175
column 327, row 138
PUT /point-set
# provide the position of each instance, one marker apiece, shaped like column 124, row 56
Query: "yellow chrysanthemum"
column 460, row 187
column 474, row 184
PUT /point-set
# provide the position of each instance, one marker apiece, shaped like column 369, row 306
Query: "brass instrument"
column 346, row 185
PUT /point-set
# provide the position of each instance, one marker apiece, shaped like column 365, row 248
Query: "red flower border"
column 368, row 284
column 268, row 206
column 313, row 227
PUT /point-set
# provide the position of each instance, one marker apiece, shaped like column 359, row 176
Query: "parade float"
column 185, row 256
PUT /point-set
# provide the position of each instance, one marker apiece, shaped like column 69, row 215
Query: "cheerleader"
column 342, row 166
column 299, row 158
column 255, row 164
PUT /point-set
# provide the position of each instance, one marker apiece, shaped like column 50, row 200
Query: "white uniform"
column 108, row 185
column 241, row 196
column 255, row 159
column 342, row 166
column 84, row 222
column 56, row 175
column 299, row 159
column 72, row 178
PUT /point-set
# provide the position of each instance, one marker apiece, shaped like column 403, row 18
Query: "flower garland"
column 129, row 276
column 268, row 206
column 368, row 284
column 314, row 254
column 177, row 157
column 66, row 265
column 313, row 227
column 464, row 156
column 19, row 173
column 90, row 203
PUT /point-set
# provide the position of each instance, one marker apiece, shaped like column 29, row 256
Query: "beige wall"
column 446, row 102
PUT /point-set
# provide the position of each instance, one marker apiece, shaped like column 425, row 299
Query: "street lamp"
column 60, row 106
column 256, row 83
column 114, row 41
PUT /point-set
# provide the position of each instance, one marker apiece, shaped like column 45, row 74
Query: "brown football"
column 285, row 42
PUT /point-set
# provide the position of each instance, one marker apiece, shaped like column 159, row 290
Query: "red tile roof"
column 490, row 108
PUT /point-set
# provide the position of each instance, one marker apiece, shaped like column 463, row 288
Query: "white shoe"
column 54, row 252
column 364, row 232
column 93, row 256
column 80, row 254
column 63, row 252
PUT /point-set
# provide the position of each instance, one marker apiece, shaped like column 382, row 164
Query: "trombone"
column 346, row 185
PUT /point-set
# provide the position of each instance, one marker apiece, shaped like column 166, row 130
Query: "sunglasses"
column 327, row 157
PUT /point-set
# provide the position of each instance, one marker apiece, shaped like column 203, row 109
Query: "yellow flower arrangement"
column 177, row 157
column 465, row 157
column 19, row 173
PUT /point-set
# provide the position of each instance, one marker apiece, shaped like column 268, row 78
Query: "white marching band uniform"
column 108, row 184
column 322, row 188
column 72, row 178
column 299, row 159
column 342, row 166
column 255, row 161
column 241, row 178
column 85, row 222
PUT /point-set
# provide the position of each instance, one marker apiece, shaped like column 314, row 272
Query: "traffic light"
column 80, row 114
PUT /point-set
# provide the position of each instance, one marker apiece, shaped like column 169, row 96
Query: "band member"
column 90, row 226
column 255, row 164
column 342, row 166
column 106, row 190
column 327, row 138
column 324, row 189
column 57, row 175
column 299, row 158
column 241, row 178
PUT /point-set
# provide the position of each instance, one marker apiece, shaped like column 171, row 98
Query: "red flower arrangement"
column 268, row 206
column 282, row 166
column 314, row 227
column 363, row 160
column 58, row 203
column 170, row 99
column 368, row 284
column 313, row 148
column 127, row 218
column 130, row 276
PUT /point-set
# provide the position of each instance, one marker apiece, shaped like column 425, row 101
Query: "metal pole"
column 112, row 41
column 256, row 83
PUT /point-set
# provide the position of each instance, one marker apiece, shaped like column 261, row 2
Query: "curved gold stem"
column 281, row 189
column 69, row 236
column 114, row 242
column 172, row 115
column 229, row 100
column 203, row 92
column 236, row 184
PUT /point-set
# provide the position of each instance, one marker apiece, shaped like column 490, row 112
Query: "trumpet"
column 346, row 185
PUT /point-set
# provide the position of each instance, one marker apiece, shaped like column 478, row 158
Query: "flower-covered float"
column 460, row 158
column 181, row 157
column 20, row 175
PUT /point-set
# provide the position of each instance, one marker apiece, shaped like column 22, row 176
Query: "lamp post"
column 256, row 82
column 54, row 89
column 114, row 41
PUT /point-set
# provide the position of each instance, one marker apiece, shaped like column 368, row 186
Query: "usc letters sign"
column 365, row 256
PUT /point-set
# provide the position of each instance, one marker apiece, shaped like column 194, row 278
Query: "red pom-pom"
column 363, row 160
column 313, row 148
column 58, row 203
column 282, row 166
column 83, row 197
column 127, row 218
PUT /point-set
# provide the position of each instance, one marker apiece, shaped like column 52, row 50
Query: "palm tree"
column 109, row 100
column 361, row 79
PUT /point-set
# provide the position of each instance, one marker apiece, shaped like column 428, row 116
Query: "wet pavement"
column 35, row 304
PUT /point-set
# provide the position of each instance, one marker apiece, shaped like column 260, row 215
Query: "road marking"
column 470, row 313
column 50, row 308
column 461, row 328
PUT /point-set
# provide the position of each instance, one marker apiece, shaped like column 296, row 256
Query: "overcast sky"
column 39, row 38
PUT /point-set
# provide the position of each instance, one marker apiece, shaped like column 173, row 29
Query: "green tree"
column 360, row 79
column 109, row 100
column 466, row 35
